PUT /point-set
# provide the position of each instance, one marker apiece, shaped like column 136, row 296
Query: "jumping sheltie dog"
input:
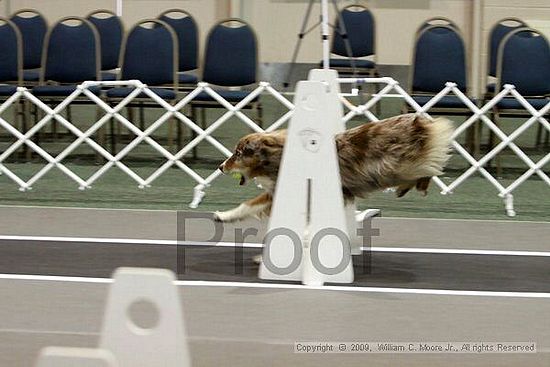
column 400, row 152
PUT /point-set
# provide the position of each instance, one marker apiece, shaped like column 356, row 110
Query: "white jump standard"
column 308, row 237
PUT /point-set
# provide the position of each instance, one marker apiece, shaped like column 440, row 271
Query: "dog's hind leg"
column 422, row 185
column 403, row 189
column 257, row 207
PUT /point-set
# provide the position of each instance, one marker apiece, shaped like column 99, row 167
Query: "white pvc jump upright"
column 162, row 344
column 308, row 235
column 75, row 357
column 126, row 339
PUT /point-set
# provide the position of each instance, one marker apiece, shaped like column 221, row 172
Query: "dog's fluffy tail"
column 440, row 132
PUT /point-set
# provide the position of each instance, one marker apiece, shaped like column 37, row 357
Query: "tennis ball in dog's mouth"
column 240, row 177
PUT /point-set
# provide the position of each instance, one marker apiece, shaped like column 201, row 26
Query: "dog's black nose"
column 221, row 167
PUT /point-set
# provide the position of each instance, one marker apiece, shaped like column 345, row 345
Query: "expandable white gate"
column 174, row 111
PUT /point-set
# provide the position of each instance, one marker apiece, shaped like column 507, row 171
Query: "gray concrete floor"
column 233, row 325
column 163, row 225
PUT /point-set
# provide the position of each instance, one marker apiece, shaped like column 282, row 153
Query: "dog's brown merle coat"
column 403, row 151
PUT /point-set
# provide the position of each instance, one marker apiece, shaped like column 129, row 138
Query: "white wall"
column 277, row 22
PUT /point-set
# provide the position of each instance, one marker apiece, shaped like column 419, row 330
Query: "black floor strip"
column 377, row 269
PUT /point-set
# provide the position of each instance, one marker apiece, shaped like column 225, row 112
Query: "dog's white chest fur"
column 265, row 183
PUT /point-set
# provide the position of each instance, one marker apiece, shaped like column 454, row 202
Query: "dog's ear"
column 270, row 149
column 250, row 147
column 271, row 142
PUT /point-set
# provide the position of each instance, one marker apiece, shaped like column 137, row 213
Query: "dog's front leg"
column 257, row 207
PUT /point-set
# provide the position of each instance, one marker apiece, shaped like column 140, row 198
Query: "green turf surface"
column 476, row 198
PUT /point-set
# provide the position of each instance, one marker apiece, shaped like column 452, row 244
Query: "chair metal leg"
column 171, row 122
column 179, row 132
column 470, row 139
column 477, row 139
column 491, row 140
column 203, row 118
column 141, row 117
column 498, row 161
column 376, row 87
column 100, row 134
column 69, row 117
column 259, row 114
column 538, row 141
column 131, row 118
column 193, row 133
column 33, row 110
column 113, row 134
column 16, row 124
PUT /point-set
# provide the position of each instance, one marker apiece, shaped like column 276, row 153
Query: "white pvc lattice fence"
column 391, row 88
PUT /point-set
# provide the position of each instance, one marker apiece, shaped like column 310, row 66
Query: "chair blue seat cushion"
column 163, row 93
column 512, row 103
column 59, row 90
column 108, row 76
column 234, row 96
column 7, row 90
column 184, row 78
column 31, row 75
column 449, row 101
column 346, row 63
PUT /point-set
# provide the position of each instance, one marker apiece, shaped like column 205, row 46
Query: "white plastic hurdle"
column 308, row 208
column 124, row 341
column 391, row 89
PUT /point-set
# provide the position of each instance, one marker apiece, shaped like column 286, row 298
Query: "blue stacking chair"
column 230, row 62
column 360, row 28
column 524, row 61
column 439, row 56
column 149, row 54
column 186, row 29
column 11, row 58
column 111, row 32
column 11, row 67
column 33, row 27
column 498, row 32
column 71, row 56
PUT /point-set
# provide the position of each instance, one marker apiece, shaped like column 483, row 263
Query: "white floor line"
column 458, row 251
column 208, row 338
column 508, row 221
column 132, row 241
column 57, row 332
column 87, row 208
column 350, row 288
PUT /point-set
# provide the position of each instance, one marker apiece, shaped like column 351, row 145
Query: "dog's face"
column 257, row 154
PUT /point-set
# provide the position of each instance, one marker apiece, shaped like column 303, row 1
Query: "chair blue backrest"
column 439, row 57
column 71, row 53
column 524, row 61
column 437, row 21
column 10, row 52
column 33, row 30
column 498, row 32
column 150, row 53
column 360, row 28
column 186, row 29
column 111, row 32
column 231, row 54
